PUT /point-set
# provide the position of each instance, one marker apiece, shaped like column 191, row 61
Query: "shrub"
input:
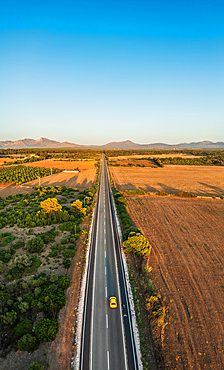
column 221, row 196
column 69, row 253
column 36, row 366
column 23, row 327
column 63, row 281
column 35, row 245
column 46, row 330
column 185, row 194
column 64, row 241
column 18, row 244
column 161, row 193
column 67, row 263
column 129, row 230
column 27, row 343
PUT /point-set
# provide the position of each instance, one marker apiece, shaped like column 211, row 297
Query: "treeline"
column 54, row 153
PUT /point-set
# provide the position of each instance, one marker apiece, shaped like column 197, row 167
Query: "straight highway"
column 107, row 338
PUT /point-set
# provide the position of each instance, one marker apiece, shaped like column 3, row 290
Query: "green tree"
column 46, row 330
column 27, row 343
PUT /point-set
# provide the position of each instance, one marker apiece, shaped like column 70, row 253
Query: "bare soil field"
column 187, row 259
column 81, row 180
column 62, row 165
column 199, row 180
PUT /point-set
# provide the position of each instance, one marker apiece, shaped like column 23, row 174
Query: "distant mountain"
column 127, row 144
column 40, row 143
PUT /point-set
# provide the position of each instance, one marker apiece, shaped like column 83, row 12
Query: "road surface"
column 107, row 340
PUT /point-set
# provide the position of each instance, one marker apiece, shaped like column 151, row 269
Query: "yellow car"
column 113, row 302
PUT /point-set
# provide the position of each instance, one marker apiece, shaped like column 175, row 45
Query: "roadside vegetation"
column 37, row 245
column 149, row 306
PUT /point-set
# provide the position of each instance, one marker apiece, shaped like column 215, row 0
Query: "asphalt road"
column 107, row 341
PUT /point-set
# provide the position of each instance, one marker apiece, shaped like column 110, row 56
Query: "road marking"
column 105, row 254
column 104, row 231
column 105, row 241
column 104, row 223
column 105, row 270
column 108, row 360
column 106, row 291
column 106, row 320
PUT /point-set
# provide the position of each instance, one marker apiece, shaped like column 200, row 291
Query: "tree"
column 23, row 327
column 51, row 205
column 27, row 342
column 46, row 330
column 138, row 244
column 63, row 281
column 78, row 209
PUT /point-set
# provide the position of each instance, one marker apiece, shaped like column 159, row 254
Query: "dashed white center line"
column 106, row 320
column 108, row 360
column 104, row 231
column 105, row 254
column 105, row 270
column 106, row 291
column 105, row 241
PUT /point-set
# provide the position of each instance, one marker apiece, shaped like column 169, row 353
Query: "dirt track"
column 187, row 260
column 199, row 180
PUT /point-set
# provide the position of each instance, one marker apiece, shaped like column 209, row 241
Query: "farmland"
column 63, row 165
column 199, row 180
column 187, row 270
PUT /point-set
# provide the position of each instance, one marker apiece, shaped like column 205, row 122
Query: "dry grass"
column 62, row 165
column 187, row 268
column 170, row 155
column 199, row 180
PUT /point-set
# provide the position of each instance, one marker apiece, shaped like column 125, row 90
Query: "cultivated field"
column 187, row 260
column 62, row 165
column 199, row 180
column 81, row 180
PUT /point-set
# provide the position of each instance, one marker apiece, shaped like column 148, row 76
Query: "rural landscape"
column 111, row 185
column 173, row 199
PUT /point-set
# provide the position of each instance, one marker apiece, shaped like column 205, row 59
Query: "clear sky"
column 92, row 72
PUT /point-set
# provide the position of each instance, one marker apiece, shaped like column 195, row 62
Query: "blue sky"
column 91, row 72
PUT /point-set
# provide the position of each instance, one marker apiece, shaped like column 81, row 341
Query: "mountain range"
column 127, row 144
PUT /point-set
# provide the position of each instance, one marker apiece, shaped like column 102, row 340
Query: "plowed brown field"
column 187, row 259
column 199, row 180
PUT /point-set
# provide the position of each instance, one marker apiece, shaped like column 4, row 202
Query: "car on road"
column 113, row 302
